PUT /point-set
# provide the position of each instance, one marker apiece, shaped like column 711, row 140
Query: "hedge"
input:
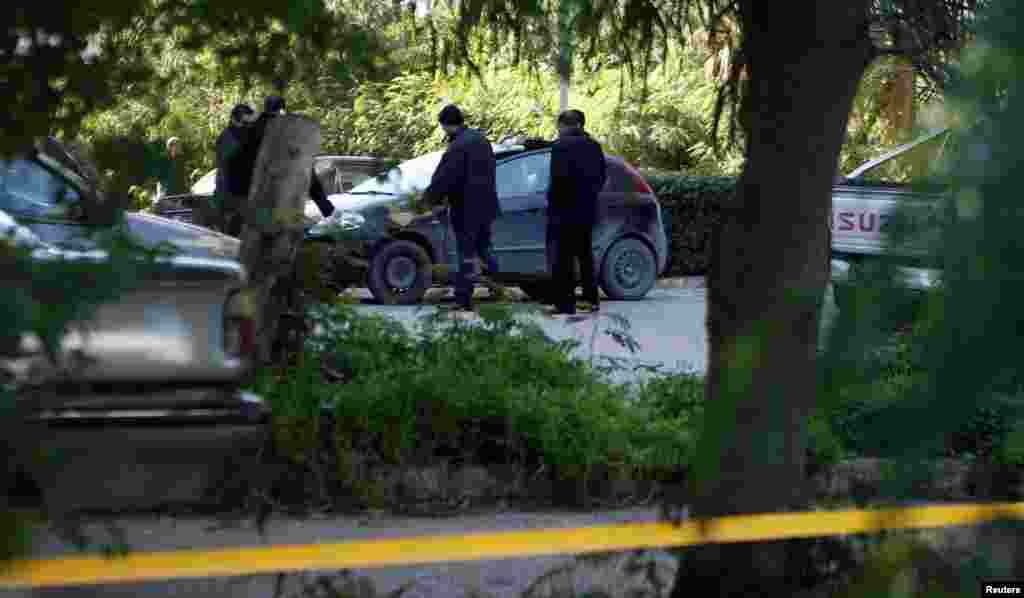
column 691, row 208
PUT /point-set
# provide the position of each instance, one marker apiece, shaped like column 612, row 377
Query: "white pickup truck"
column 864, row 204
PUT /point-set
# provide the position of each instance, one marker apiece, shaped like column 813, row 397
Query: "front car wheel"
column 400, row 273
column 629, row 271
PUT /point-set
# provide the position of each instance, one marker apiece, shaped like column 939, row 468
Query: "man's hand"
column 419, row 202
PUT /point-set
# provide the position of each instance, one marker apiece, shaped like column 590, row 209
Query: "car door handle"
column 535, row 210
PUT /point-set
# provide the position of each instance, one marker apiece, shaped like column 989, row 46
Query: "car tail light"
column 641, row 185
column 239, row 336
column 239, row 326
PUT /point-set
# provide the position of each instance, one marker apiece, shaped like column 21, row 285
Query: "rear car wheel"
column 629, row 270
column 400, row 273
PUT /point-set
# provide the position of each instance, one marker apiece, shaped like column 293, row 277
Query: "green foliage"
column 52, row 80
column 890, row 376
column 494, row 392
column 457, row 376
column 691, row 209
column 498, row 391
column 77, row 61
column 964, row 379
column 657, row 123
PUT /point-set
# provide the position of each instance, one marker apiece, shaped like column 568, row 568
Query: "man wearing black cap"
column 244, row 163
column 578, row 173
column 466, row 176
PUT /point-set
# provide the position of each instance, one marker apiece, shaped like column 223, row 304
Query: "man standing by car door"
column 466, row 175
column 578, row 174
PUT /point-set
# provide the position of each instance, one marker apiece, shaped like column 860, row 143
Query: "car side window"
column 524, row 176
column 26, row 187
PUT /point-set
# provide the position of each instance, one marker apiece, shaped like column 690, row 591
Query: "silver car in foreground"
column 153, row 410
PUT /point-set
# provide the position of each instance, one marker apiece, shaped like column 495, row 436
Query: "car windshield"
column 413, row 175
column 914, row 164
column 28, row 187
column 205, row 185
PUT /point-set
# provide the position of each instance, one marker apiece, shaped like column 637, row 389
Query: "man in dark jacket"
column 466, row 176
column 229, row 144
column 241, row 168
column 578, row 173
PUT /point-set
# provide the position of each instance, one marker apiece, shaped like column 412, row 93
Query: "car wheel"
column 400, row 273
column 629, row 270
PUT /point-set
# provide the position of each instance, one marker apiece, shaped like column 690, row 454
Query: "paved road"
column 501, row 579
column 668, row 324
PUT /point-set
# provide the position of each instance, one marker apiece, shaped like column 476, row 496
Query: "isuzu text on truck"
column 865, row 205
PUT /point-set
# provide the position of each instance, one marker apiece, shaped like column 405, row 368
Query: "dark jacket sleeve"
column 228, row 144
column 558, row 189
column 241, row 160
column 316, row 191
column 449, row 177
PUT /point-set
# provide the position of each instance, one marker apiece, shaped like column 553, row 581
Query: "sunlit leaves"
column 64, row 62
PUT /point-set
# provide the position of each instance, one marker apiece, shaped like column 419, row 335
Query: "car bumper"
column 105, row 452
column 350, row 258
column 180, row 407
column 916, row 279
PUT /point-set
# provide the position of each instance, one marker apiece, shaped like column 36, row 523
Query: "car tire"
column 400, row 273
column 629, row 271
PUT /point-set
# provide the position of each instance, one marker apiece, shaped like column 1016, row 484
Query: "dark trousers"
column 227, row 213
column 471, row 243
column 573, row 242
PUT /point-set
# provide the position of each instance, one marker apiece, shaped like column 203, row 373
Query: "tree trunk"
column 767, row 280
column 898, row 95
column 273, row 225
column 566, row 41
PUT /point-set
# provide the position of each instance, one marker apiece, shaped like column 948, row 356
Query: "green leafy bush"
column 897, row 370
column 498, row 391
column 691, row 209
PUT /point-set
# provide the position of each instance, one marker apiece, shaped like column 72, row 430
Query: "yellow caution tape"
column 419, row 550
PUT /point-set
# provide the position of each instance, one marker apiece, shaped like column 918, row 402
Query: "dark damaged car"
column 380, row 241
column 337, row 174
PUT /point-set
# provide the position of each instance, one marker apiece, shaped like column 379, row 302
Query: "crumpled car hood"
column 189, row 239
